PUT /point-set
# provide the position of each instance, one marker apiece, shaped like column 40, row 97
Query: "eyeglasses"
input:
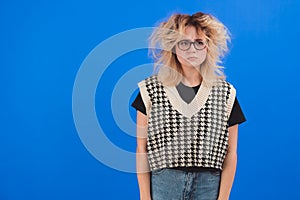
column 185, row 45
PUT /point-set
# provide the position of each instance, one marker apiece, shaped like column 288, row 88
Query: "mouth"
column 192, row 58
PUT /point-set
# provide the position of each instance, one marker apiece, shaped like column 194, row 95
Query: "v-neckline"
column 187, row 93
column 191, row 108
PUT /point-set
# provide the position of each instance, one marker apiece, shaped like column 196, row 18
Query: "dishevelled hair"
column 164, row 38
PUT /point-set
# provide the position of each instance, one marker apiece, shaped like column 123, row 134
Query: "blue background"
column 42, row 45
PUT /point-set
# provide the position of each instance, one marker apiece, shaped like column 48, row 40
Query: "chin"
column 191, row 65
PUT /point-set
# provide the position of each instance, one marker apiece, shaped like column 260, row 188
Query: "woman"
column 187, row 114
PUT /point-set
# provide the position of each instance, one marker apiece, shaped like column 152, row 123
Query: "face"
column 191, row 57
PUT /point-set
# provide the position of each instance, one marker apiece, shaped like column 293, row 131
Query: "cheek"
column 182, row 55
column 202, row 55
column 180, row 58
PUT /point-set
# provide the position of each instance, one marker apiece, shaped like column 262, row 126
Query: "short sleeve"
column 142, row 101
column 139, row 105
column 236, row 116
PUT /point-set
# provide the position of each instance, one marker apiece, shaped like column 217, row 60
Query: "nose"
column 192, row 48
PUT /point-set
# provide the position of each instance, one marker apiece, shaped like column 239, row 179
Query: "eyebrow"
column 194, row 40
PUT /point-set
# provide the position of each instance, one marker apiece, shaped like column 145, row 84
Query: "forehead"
column 191, row 33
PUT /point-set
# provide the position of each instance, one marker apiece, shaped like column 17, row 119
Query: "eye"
column 184, row 42
column 199, row 42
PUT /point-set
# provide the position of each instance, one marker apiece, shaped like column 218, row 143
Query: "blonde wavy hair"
column 164, row 38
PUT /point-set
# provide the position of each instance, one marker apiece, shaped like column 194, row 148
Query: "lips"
column 192, row 58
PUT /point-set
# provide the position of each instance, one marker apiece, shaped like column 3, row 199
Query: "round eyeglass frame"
column 190, row 44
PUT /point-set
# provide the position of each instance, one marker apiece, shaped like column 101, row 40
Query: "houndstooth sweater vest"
column 187, row 135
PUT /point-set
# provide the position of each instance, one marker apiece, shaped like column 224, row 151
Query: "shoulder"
column 146, row 87
column 228, row 84
column 230, row 87
column 224, row 84
column 226, row 87
column 148, row 80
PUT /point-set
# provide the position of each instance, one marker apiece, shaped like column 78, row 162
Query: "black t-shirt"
column 187, row 94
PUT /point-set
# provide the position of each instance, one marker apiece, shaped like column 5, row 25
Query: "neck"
column 191, row 77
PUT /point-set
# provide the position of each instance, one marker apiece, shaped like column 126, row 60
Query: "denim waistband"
column 197, row 169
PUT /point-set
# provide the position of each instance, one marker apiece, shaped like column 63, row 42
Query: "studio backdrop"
column 69, row 72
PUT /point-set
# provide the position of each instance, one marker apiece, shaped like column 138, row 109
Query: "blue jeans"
column 173, row 184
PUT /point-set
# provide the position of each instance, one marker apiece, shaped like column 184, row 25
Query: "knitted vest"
column 183, row 136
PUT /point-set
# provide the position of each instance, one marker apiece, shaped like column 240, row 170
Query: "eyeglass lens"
column 186, row 44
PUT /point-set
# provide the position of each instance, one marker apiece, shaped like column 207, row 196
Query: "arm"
column 229, row 165
column 142, row 165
